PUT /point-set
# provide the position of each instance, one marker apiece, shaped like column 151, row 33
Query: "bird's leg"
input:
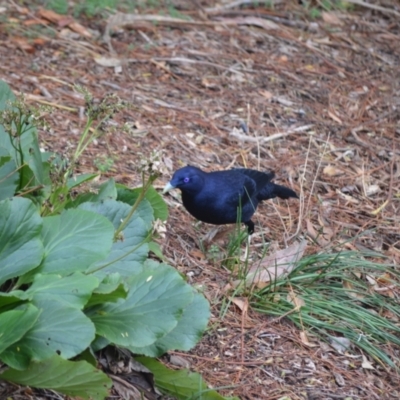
column 250, row 230
column 247, row 250
column 250, row 226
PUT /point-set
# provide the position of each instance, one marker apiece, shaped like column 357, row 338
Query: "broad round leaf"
column 60, row 329
column 9, row 175
column 156, row 201
column 73, row 290
column 186, row 334
column 15, row 323
column 130, row 251
column 155, row 302
column 21, row 249
column 33, row 156
column 74, row 240
column 75, row 379
column 15, row 296
column 107, row 191
column 6, row 95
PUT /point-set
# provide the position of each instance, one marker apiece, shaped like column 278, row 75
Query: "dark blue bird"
column 219, row 197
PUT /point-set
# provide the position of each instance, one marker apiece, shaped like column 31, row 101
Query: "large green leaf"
column 73, row 290
column 159, row 206
column 33, row 157
column 8, row 175
column 6, row 95
column 14, row 297
column 186, row 334
column 15, row 323
column 74, row 240
column 181, row 384
column 106, row 191
column 110, row 289
column 128, row 252
column 6, row 143
column 75, row 379
column 60, row 329
column 155, row 302
column 21, row 248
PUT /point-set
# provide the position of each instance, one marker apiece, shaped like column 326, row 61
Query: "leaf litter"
column 320, row 101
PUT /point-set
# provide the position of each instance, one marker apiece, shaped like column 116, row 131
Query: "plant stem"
column 141, row 196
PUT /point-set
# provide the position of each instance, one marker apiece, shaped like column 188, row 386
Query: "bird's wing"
column 260, row 179
column 249, row 188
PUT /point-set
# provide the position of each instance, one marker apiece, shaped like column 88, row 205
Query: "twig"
column 191, row 61
column 39, row 99
column 220, row 360
column 265, row 139
column 238, row 3
column 356, row 139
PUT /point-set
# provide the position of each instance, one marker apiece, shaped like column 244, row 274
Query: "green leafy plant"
column 75, row 272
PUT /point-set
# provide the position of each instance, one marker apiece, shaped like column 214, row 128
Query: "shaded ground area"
column 315, row 100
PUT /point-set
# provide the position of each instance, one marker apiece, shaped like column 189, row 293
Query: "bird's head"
column 188, row 179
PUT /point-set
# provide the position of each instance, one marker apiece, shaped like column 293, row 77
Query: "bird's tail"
column 272, row 190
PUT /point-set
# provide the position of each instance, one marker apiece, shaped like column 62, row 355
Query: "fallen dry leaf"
column 295, row 299
column 108, row 61
column 24, row 45
column 332, row 171
column 179, row 361
column 304, row 340
column 385, row 279
column 339, row 379
column 51, row 16
column 241, row 302
column 372, row 189
column 30, row 22
column 78, row 28
column 366, row 364
column 275, row 264
column 340, row 344
column 350, row 290
column 331, row 18
column 266, row 94
column 197, row 254
column 260, row 22
column 63, row 21
column 335, row 117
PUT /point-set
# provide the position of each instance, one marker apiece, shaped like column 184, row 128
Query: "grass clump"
column 339, row 295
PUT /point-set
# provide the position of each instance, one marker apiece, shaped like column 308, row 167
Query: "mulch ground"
column 239, row 84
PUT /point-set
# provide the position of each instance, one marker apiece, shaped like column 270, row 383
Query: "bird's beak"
column 168, row 187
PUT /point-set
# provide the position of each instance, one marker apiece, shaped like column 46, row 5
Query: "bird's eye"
column 186, row 180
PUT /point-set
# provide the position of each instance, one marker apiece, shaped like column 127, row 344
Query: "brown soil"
column 315, row 100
